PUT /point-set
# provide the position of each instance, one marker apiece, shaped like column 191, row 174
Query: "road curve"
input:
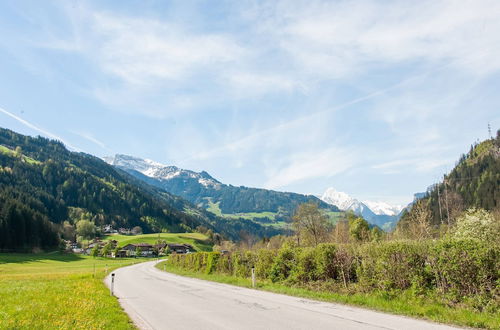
column 158, row 300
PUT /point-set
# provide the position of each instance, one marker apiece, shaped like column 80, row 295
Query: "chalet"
column 146, row 249
column 181, row 248
column 119, row 254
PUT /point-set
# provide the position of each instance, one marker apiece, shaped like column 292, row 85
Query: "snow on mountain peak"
column 338, row 198
column 345, row 202
column 157, row 170
column 381, row 208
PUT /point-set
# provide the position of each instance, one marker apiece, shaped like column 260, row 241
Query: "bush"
column 326, row 265
column 212, row 260
column 304, row 270
column 394, row 265
column 264, row 262
column 477, row 224
column 283, row 264
column 466, row 267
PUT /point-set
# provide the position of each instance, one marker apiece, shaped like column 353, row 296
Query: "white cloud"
column 311, row 164
column 89, row 137
column 337, row 39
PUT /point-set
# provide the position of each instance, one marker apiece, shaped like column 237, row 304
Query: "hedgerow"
column 457, row 270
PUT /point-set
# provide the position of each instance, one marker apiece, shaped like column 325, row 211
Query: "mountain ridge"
column 203, row 190
column 378, row 213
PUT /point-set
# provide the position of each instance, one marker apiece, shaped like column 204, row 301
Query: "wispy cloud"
column 36, row 128
column 311, row 164
column 89, row 137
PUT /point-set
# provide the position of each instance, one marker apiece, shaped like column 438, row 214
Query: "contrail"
column 38, row 129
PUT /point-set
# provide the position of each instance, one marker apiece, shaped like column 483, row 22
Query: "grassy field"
column 12, row 153
column 198, row 241
column 58, row 291
column 403, row 303
column 215, row 209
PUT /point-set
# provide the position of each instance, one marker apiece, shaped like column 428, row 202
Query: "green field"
column 215, row 209
column 198, row 241
column 58, row 291
column 12, row 153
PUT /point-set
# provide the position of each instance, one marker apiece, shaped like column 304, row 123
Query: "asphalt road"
column 158, row 300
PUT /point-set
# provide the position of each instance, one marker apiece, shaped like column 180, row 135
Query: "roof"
column 182, row 246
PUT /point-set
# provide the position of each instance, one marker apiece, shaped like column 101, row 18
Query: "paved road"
column 158, row 300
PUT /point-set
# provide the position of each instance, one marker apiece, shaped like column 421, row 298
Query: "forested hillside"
column 222, row 199
column 473, row 183
column 45, row 188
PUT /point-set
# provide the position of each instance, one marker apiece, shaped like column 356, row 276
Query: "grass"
column 403, row 303
column 58, row 291
column 197, row 240
column 11, row 153
column 215, row 209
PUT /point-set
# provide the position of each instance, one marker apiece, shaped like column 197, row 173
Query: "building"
column 181, row 248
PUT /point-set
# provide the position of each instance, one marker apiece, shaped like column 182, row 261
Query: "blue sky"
column 375, row 98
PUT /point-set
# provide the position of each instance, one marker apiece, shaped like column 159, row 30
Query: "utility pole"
column 439, row 205
column 489, row 131
column 446, row 200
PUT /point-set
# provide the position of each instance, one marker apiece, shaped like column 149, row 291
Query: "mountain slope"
column 208, row 193
column 376, row 213
column 474, row 182
column 42, row 185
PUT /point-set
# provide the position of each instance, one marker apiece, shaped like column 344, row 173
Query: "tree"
column 107, row 249
column 95, row 251
column 68, row 232
column 359, row 229
column 138, row 251
column 376, row 234
column 478, row 224
column 310, row 223
column 340, row 234
column 86, row 229
column 417, row 224
column 137, row 230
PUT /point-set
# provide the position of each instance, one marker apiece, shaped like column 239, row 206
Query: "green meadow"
column 199, row 241
column 59, row 291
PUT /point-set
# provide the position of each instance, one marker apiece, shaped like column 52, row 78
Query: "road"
column 158, row 300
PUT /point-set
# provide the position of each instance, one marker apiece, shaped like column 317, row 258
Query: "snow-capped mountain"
column 378, row 213
column 159, row 171
column 206, row 192
column 381, row 208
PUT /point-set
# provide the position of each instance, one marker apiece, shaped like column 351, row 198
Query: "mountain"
column 473, row 182
column 46, row 189
column 261, row 205
column 376, row 213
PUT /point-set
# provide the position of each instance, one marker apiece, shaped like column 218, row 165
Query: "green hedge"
column 459, row 270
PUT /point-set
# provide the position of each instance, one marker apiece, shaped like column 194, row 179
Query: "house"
column 119, row 254
column 180, row 248
column 108, row 229
column 124, row 231
column 146, row 249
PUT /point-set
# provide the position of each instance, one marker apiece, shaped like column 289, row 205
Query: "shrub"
column 393, row 265
column 212, row 260
column 477, row 224
column 243, row 263
column 264, row 262
column 283, row 264
column 326, row 265
column 304, row 270
column 466, row 267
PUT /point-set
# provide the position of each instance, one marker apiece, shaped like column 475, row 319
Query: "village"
column 106, row 247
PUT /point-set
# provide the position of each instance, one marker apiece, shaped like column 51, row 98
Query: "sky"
column 374, row 98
